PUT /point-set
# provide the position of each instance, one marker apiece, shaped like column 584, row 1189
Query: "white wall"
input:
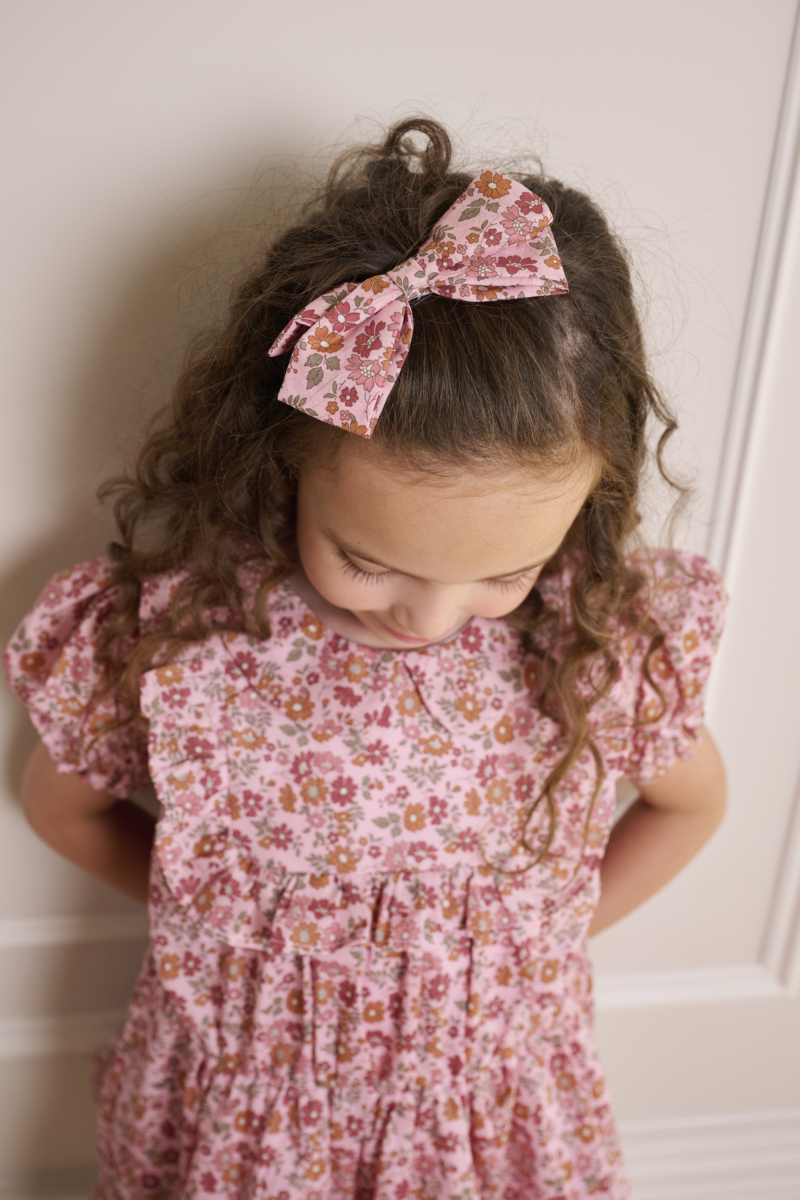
column 131, row 136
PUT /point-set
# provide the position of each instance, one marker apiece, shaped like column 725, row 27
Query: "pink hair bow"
column 494, row 243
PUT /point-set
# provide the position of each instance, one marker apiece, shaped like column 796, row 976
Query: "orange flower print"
column 408, row 704
column 498, row 790
column 690, row 641
column 552, row 260
column 503, row 975
column 449, row 906
column 204, row 901
column 235, row 967
column 230, row 1062
column 332, row 407
column 325, row 341
column 319, row 881
column 169, row 967
column 356, row 668
column 660, row 666
column 472, row 803
column 414, row 817
column 312, row 627
column 305, row 934
column 481, row 926
column 294, row 1001
column 313, row 790
column 504, row 730
column 287, row 798
column 298, row 708
column 280, row 1055
column 168, row 675
column 71, row 706
column 691, row 688
column 484, row 293
column 373, row 1011
column 473, row 1004
column 470, row 706
column 652, row 710
column 473, row 237
column 248, row 739
column 375, row 285
column 585, row 1133
column 492, row 185
column 549, row 970
column 33, row 662
column 316, row 1169
column 435, row 745
column 343, row 860
column 324, row 991
column 206, row 847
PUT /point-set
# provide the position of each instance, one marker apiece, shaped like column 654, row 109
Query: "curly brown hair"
column 516, row 381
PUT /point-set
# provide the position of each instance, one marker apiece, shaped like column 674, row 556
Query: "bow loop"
column 494, row 243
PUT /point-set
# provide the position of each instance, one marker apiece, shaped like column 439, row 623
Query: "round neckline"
column 293, row 593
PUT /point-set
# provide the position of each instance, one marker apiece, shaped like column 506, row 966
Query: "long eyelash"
column 506, row 584
column 357, row 572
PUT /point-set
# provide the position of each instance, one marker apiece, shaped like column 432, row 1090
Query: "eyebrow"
column 376, row 562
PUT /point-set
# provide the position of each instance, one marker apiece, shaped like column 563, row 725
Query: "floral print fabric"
column 493, row 243
column 350, row 991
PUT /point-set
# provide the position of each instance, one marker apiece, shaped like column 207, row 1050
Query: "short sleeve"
column 51, row 665
column 687, row 603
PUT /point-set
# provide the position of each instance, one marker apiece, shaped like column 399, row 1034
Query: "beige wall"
column 131, row 136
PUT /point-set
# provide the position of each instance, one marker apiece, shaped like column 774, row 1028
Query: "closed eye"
column 357, row 572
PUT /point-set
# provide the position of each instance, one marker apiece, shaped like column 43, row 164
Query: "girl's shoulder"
column 679, row 589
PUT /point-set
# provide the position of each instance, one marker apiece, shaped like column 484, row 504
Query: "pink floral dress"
column 349, row 991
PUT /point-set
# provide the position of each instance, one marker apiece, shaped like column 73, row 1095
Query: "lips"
column 403, row 637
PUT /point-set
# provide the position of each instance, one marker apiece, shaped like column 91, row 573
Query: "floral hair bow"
column 494, row 243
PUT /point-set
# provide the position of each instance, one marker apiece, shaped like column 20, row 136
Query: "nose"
column 428, row 612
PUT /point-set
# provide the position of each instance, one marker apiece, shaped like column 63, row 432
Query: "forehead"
column 452, row 525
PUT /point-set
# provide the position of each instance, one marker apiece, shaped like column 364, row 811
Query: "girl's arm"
column 661, row 832
column 110, row 838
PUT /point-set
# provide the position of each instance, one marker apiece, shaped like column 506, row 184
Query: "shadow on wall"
column 177, row 289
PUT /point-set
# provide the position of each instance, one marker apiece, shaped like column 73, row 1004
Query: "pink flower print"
column 465, row 291
column 303, row 765
column 326, row 762
column 472, row 639
column 342, row 316
column 282, row 837
column 493, row 237
column 348, row 396
column 366, row 372
column 483, row 266
column 333, row 936
column 525, row 203
column 369, row 342
column 487, row 769
column 52, row 595
column 515, row 262
column 252, row 803
column 468, row 840
column 437, row 810
column 343, row 789
column 377, row 754
column 404, row 934
column 518, row 230
column 511, row 763
column 395, row 857
column 317, row 820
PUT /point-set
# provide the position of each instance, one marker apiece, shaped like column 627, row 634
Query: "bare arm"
column 661, row 832
column 110, row 838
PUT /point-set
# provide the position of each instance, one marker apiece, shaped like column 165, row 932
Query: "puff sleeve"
column 688, row 604
column 50, row 663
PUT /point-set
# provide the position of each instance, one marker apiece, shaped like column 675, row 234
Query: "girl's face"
column 398, row 559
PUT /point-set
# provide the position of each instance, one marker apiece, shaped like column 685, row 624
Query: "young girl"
column 377, row 632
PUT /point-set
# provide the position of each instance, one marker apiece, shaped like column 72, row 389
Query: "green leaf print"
column 313, row 360
column 332, row 363
column 314, row 377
